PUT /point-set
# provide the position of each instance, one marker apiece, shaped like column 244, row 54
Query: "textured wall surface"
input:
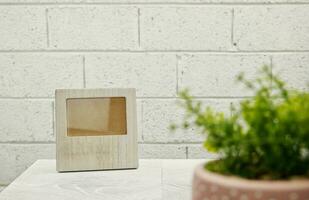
column 157, row 46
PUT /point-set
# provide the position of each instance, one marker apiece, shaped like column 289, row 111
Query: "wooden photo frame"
column 96, row 129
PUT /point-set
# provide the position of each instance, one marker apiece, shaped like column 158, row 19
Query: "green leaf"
column 266, row 137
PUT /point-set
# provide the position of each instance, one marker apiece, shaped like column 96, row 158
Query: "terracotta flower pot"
column 212, row 186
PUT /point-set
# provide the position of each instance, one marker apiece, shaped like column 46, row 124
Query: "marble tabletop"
column 153, row 180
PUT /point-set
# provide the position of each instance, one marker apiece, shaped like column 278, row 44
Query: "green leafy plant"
column 265, row 137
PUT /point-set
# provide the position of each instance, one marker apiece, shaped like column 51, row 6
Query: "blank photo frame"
column 96, row 129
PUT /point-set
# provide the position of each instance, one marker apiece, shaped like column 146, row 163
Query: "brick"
column 26, row 120
column 215, row 75
column 38, row 75
column 293, row 69
column 185, row 28
column 22, row 27
column 159, row 114
column 283, row 27
column 18, row 157
column 103, row 27
column 152, row 75
column 139, row 112
column 197, row 151
column 156, row 151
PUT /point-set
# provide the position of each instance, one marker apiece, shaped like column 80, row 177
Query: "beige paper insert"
column 96, row 116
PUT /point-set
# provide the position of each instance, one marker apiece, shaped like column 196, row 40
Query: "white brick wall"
column 294, row 69
column 93, row 27
column 162, row 151
column 153, row 75
column 198, row 151
column 272, row 27
column 38, row 75
column 215, row 75
column 185, row 28
column 26, row 120
column 22, row 27
column 158, row 114
column 156, row 46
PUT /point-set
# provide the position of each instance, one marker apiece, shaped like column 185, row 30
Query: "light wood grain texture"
column 101, row 141
column 153, row 180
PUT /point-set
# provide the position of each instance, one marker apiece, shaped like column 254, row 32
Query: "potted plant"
column 263, row 146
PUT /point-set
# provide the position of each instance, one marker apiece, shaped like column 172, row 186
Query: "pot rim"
column 242, row 183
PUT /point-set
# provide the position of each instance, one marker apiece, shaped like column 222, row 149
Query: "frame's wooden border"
column 96, row 152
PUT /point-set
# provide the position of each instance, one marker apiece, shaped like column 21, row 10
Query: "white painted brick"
column 293, row 69
column 151, row 74
column 155, row 151
column 93, row 27
column 215, row 75
column 196, row 151
column 22, row 27
column 185, row 28
column 15, row 158
column 159, row 114
column 139, row 112
column 272, row 28
column 38, row 75
column 26, row 120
